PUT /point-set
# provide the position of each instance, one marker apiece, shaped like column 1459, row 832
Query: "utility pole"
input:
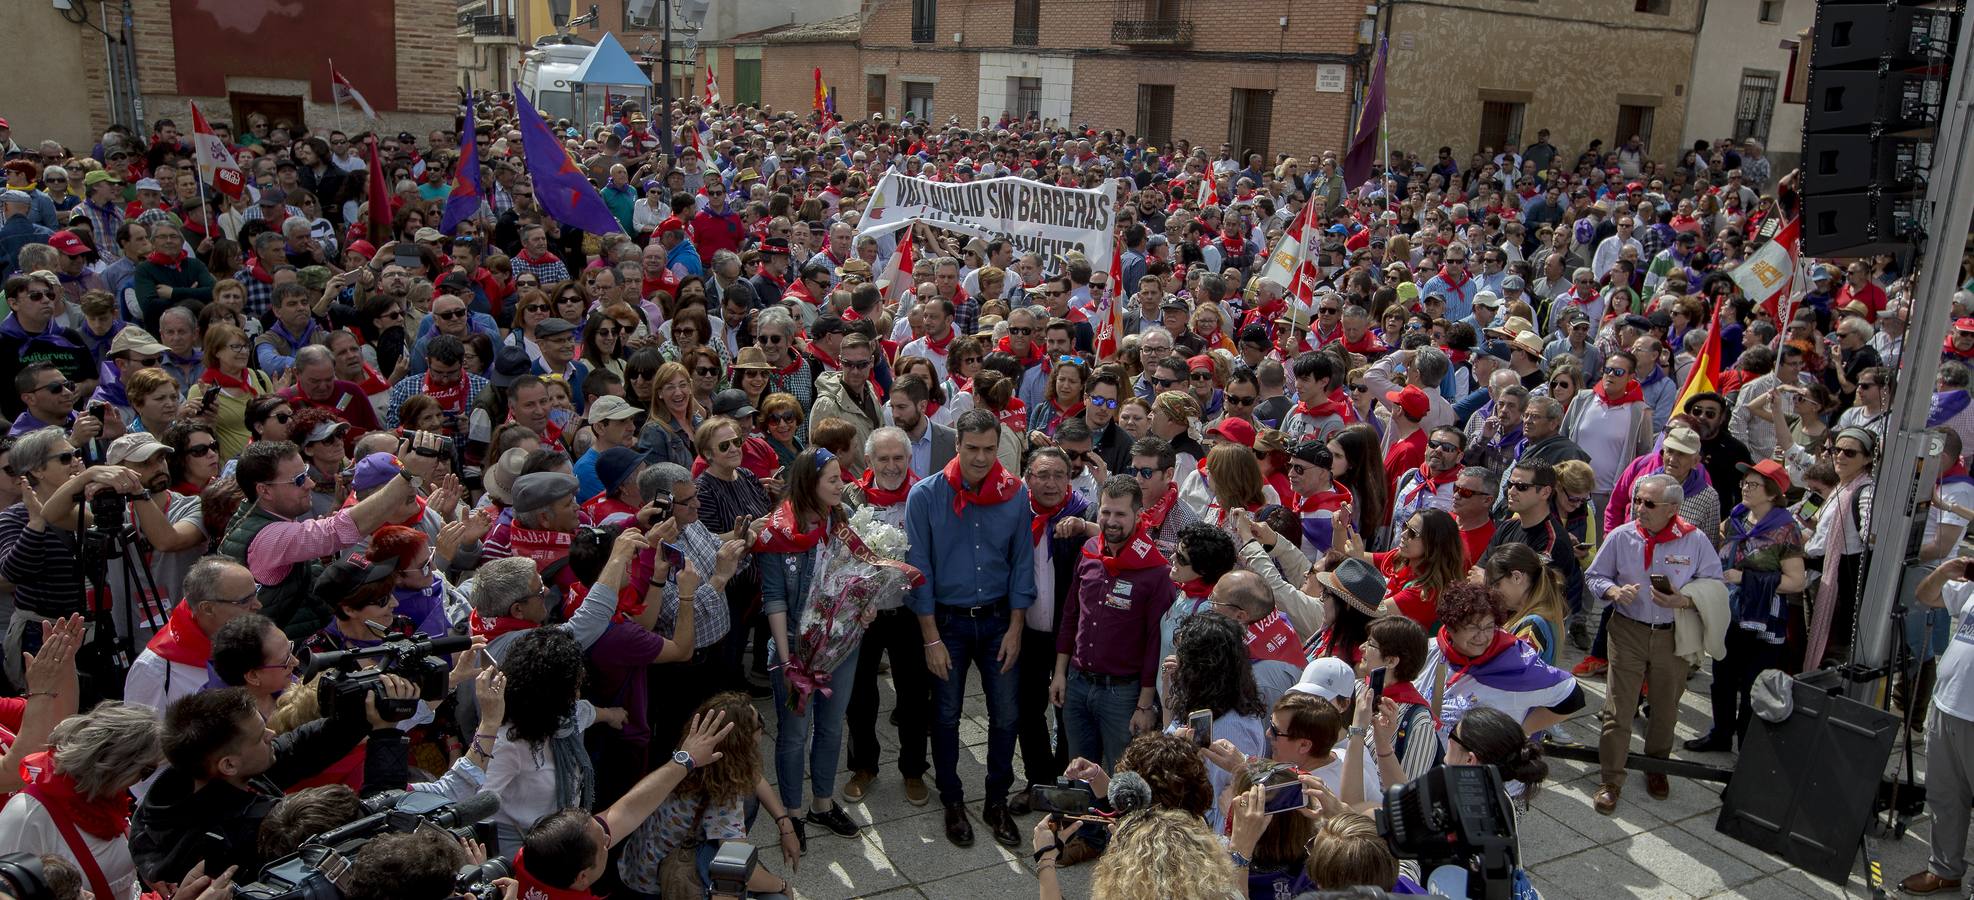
column 665, row 80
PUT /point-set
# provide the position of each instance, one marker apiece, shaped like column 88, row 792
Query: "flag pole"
column 335, row 105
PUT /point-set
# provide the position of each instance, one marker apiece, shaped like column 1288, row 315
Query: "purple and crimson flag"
column 560, row 187
column 1362, row 154
column 464, row 201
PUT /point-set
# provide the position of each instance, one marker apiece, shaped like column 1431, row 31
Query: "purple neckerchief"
column 99, row 344
column 26, row 422
column 297, row 342
column 109, row 386
column 1946, row 404
column 426, row 608
column 1408, row 887
column 172, row 357
column 11, row 328
column 1518, row 669
column 1740, row 532
column 1072, row 506
column 1696, row 480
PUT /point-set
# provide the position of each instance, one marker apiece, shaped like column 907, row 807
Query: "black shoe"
column 1018, row 804
column 959, row 829
column 1712, row 742
column 1001, row 824
column 834, row 819
column 801, row 833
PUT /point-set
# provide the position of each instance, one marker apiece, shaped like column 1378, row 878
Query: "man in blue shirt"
column 970, row 534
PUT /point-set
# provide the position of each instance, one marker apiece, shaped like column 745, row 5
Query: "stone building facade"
column 1474, row 74
column 1741, row 75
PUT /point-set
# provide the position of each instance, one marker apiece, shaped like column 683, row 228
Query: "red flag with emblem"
column 896, row 279
column 1110, row 308
column 712, row 89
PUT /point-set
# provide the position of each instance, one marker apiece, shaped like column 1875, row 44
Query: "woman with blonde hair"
column 232, row 381
column 674, row 417
column 1347, row 851
column 1154, row 854
column 1233, row 478
column 1533, row 595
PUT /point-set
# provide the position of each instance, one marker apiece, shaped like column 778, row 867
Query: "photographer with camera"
column 226, row 770
column 42, row 562
column 76, row 804
column 266, row 535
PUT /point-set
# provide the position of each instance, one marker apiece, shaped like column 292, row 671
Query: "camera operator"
column 40, row 561
column 266, row 535
column 304, row 814
column 418, row 865
column 173, row 664
column 169, row 529
column 226, row 770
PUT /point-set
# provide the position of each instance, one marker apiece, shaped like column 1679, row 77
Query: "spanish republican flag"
column 1706, row 366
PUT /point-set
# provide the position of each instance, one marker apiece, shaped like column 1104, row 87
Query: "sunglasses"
column 536, row 307
column 1201, row 376
column 705, row 372
column 1465, row 493
column 1101, row 402
column 452, row 314
column 857, row 365
column 59, row 387
column 200, row 449
column 1329, row 311
column 772, row 339
column 1444, row 446
column 1240, row 401
column 726, row 446
column 783, row 417
column 1021, row 331
column 1524, row 485
column 1650, row 504
column 1614, row 371
column 1409, row 532
column 300, row 479
column 1140, row 471
column 1847, row 452
column 1165, row 382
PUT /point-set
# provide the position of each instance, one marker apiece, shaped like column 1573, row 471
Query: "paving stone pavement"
column 1663, row 850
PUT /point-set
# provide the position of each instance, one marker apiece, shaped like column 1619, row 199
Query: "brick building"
column 1276, row 78
column 235, row 59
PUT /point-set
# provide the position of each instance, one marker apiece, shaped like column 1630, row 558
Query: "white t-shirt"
column 1961, row 494
column 1953, row 692
column 26, row 828
column 1332, row 774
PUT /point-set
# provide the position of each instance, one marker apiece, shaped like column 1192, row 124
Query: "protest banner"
column 1036, row 218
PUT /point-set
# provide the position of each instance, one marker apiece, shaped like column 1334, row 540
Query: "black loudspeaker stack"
column 1877, row 85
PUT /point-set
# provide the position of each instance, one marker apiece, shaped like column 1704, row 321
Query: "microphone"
column 1129, row 792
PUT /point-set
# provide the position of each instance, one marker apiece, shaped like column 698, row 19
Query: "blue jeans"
column 1097, row 717
column 974, row 642
column 824, row 716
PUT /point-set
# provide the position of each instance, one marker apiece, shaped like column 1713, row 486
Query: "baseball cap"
column 427, row 235
column 136, row 447
column 374, row 471
column 1329, row 678
column 1769, row 469
column 68, row 243
column 611, row 406
column 1411, row 400
column 1682, row 439
column 732, row 402
column 132, row 339
column 1239, row 431
column 149, row 184
column 324, row 431
column 1488, row 299
column 15, row 197
column 99, row 176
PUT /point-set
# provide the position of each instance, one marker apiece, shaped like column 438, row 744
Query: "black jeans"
column 676, row 690
column 895, row 632
column 1734, row 679
column 1041, row 759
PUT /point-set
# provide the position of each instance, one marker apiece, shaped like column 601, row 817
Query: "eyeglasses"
column 1409, row 532
column 1466, row 493
column 38, row 295
column 58, row 388
column 1014, row 330
column 858, row 365
column 243, row 601
column 1140, row 471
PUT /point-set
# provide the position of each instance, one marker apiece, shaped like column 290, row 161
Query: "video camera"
column 1459, row 817
column 416, row 658
column 731, row 867
column 320, row 869
column 22, row 878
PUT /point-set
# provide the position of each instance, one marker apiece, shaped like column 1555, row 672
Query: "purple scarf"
column 1946, row 404
column 11, row 327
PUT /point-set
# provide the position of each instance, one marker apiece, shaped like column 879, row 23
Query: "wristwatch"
column 684, row 759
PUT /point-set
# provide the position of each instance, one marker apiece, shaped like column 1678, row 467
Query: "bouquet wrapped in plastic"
column 862, row 568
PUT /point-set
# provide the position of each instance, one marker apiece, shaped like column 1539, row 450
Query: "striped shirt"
column 709, row 607
column 721, row 502
column 41, row 564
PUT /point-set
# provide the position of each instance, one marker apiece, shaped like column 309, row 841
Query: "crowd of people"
column 1251, row 543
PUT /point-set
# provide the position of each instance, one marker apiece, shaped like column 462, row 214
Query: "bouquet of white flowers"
column 862, row 568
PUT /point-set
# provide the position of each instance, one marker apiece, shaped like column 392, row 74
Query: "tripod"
column 113, row 649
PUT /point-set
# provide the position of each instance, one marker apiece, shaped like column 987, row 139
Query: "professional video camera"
column 21, row 877
column 731, row 867
column 1455, row 817
column 320, row 870
column 415, row 657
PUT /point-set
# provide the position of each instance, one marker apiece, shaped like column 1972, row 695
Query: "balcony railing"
column 1027, row 35
column 1151, row 31
column 493, row 26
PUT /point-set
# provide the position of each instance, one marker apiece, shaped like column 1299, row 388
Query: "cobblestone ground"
column 1661, row 849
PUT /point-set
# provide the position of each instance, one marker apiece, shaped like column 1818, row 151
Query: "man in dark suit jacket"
column 933, row 445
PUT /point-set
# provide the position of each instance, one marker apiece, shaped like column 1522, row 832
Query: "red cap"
column 1240, row 431
column 68, row 243
column 1634, row 186
column 1411, row 400
column 363, row 247
column 1200, row 362
column 671, row 223
column 1769, row 469
column 3, row 124
column 1964, row 324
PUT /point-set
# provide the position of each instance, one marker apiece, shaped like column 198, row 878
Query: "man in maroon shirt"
column 1107, row 646
column 316, row 385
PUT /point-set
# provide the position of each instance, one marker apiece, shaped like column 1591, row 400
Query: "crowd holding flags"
column 712, row 97
column 1363, row 152
column 1110, row 306
column 216, row 164
column 464, row 201
column 345, row 92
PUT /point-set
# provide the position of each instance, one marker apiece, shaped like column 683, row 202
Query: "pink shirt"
column 279, row 546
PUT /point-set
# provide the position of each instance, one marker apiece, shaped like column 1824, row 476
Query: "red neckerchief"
column 939, row 346
column 1674, row 530
column 881, row 497
column 1139, row 552
column 169, row 262
column 1457, row 284
column 1153, row 518
column 1058, row 415
column 1332, row 405
column 761, row 269
column 373, row 381
column 1368, row 344
column 450, row 398
column 829, row 362
column 997, row 488
column 533, row 260
column 1632, row 394
column 500, row 625
column 1330, row 500
column 795, row 361
column 254, row 269
column 212, row 375
column 107, row 819
column 1215, row 339
column 850, row 314
column 1273, row 638
column 1948, row 349
column 602, row 507
column 1194, row 588
column 1033, row 356
column 785, row 535
column 532, row 888
column 1015, row 416
column 1044, row 517
column 1431, row 483
column 1403, row 692
column 1500, row 644
column 182, row 640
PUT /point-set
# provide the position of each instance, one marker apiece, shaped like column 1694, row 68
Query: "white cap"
column 1329, row 678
